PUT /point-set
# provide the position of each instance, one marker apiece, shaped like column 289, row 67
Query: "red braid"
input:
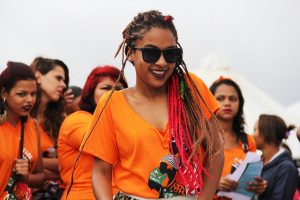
column 189, row 166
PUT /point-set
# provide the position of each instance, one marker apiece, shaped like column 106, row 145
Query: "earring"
column 3, row 113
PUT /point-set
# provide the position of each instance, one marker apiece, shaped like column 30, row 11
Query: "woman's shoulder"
column 76, row 118
column 112, row 96
column 111, row 101
column 251, row 142
column 78, row 115
column 195, row 78
column 31, row 121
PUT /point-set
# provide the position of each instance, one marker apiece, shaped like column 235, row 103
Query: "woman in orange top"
column 237, row 142
column 160, row 137
column 18, row 170
column 53, row 77
column 100, row 80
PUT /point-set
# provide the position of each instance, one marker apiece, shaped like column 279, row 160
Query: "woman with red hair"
column 100, row 80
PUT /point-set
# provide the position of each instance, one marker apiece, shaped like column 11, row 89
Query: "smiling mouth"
column 159, row 74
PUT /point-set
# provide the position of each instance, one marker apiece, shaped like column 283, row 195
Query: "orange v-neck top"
column 9, row 148
column 140, row 153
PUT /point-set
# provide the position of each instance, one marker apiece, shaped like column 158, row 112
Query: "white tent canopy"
column 295, row 109
column 256, row 101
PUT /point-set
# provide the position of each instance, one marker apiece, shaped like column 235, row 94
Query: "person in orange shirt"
column 21, row 163
column 53, row 78
column 100, row 80
column 159, row 138
column 237, row 142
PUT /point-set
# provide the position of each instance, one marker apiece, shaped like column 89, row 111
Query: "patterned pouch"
column 17, row 190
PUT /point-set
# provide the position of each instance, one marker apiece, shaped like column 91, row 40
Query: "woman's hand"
column 257, row 186
column 69, row 96
column 227, row 185
column 22, row 168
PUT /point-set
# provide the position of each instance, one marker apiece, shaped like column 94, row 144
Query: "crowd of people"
column 168, row 136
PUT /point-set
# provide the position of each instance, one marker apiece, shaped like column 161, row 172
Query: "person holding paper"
column 279, row 169
column 237, row 142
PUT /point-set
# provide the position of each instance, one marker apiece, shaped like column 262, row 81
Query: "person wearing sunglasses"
column 100, row 80
column 159, row 138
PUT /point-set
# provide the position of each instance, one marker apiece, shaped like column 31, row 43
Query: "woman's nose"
column 161, row 61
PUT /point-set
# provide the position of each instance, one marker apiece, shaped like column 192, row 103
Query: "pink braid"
column 188, row 165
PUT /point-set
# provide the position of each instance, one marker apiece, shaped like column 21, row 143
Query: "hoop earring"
column 3, row 114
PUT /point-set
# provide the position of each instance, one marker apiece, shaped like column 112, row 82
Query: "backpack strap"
column 21, row 144
column 245, row 144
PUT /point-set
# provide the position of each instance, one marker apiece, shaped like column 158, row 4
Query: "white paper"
column 245, row 170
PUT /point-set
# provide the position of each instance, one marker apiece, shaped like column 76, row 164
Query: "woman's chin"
column 54, row 98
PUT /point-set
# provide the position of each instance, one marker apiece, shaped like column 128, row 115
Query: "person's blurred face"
column 259, row 140
column 21, row 98
column 74, row 105
column 228, row 100
column 52, row 83
column 105, row 85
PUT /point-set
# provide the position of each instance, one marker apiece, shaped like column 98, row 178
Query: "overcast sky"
column 260, row 38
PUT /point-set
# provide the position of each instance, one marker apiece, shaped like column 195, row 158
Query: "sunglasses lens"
column 170, row 55
column 151, row 55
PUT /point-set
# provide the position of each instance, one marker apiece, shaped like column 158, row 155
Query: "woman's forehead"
column 158, row 37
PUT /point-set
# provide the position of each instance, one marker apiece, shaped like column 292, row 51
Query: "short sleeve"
column 100, row 137
column 212, row 105
column 74, row 128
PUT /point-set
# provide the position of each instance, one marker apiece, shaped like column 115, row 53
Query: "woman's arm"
column 214, row 167
column 32, row 179
column 37, row 178
column 51, row 164
column 211, row 182
column 51, row 168
column 101, row 179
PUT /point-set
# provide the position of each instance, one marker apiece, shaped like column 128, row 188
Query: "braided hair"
column 192, row 135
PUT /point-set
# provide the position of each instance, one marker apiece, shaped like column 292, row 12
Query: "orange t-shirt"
column 71, row 134
column 234, row 156
column 9, row 148
column 143, row 164
column 47, row 143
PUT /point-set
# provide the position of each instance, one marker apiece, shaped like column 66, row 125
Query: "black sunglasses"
column 152, row 54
